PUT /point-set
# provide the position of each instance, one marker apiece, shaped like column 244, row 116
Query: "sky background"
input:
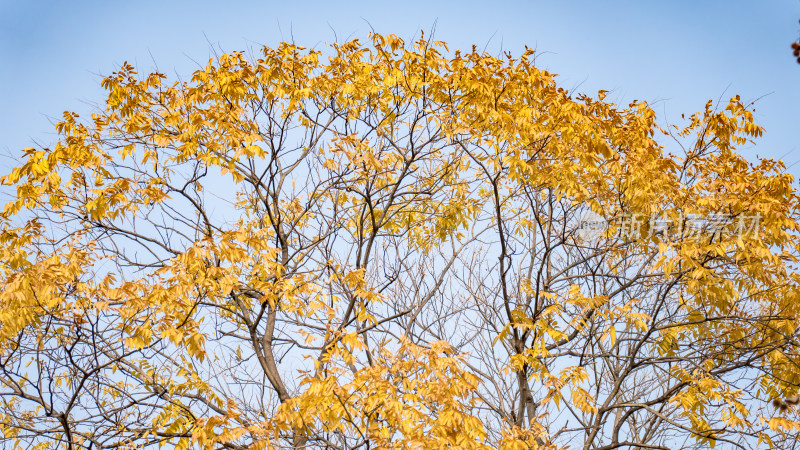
column 675, row 55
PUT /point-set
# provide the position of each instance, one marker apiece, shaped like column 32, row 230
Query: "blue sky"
column 676, row 55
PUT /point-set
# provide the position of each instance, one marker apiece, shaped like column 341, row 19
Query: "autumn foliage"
column 383, row 246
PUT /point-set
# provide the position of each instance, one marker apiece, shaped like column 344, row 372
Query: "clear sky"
column 676, row 55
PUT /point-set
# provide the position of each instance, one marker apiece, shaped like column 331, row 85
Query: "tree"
column 395, row 246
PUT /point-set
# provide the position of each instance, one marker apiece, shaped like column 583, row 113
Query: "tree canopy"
column 395, row 245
